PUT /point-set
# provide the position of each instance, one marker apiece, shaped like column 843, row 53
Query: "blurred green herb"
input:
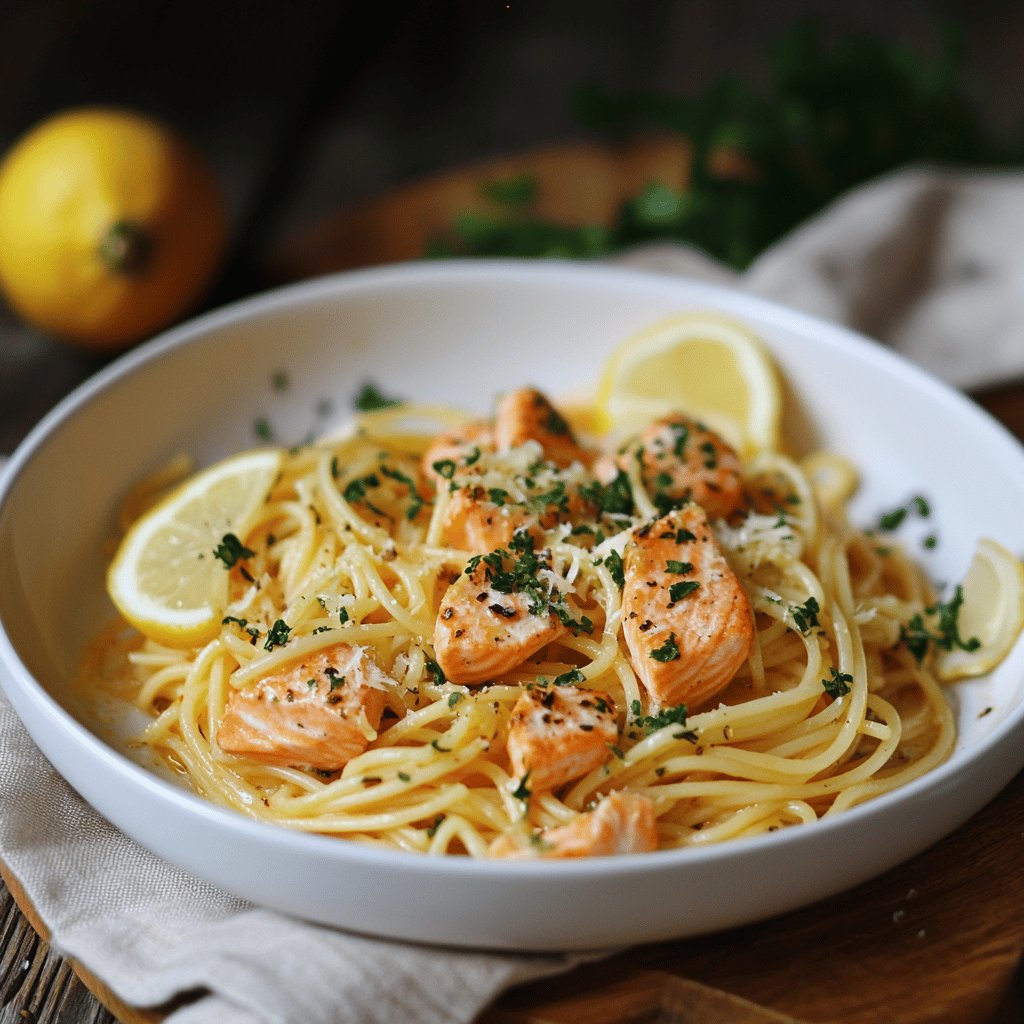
column 762, row 161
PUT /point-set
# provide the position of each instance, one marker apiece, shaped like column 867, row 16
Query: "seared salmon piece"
column 526, row 415
column 317, row 712
column 558, row 733
column 481, row 632
column 682, row 460
column 455, row 446
column 621, row 823
column 687, row 620
column 474, row 523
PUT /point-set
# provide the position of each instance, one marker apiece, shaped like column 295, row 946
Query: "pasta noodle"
column 827, row 710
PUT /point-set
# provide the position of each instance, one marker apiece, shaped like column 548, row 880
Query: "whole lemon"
column 111, row 226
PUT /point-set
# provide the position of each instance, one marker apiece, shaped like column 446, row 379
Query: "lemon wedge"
column 165, row 579
column 992, row 611
column 701, row 364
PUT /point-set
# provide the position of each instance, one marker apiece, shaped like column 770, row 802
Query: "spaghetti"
column 830, row 707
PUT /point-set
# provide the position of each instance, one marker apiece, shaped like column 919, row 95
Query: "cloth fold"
column 926, row 260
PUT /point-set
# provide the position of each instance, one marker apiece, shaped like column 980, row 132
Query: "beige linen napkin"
column 929, row 261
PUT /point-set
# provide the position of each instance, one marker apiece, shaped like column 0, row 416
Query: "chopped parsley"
column 893, row 520
column 562, row 613
column 615, row 498
column 355, row 490
column 838, row 683
column 681, row 568
column 682, row 433
column 432, row 831
column 242, row 624
column 521, row 577
column 454, row 698
column 677, row 591
column 279, row 381
column 806, row 615
column 669, row 651
column 370, row 398
column 231, row 549
column 261, row 427
column 574, row 675
column 522, row 791
column 277, row 635
column 497, row 495
column 889, row 521
column 916, row 636
column 556, row 496
column 417, row 502
column 435, row 670
column 613, row 563
column 342, row 615
column 670, row 716
column 336, row 678
column 445, row 468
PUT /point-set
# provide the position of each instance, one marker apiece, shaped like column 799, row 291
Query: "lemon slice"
column 701, row 364
column 165, row 579
column 992, row 611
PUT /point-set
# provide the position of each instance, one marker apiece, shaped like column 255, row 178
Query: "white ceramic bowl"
column 457, row 333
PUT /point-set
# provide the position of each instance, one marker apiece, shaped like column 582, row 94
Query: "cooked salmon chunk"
column 482, row 631
column 451, row 448
column 687, row 620
column 558, row 733
column 474, row 523
column 621, row 823
column 682, row 460
column 526, row 415
column 317, row 712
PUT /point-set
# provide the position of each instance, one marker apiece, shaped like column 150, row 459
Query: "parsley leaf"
column 277, row 635
column 231, row 549
column 370, row 398
column 916, row 636
column 669, row 651
column 677, row 591
column 838, row 683
column 669, row 716
column 574, row 675
column 613, row 563
column 806, row 615
column 678, row 567
column 522, row 791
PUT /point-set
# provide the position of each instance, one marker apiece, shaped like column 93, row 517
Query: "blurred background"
column 345, row 134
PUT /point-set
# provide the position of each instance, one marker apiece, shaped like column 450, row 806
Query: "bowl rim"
column 193, row 331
